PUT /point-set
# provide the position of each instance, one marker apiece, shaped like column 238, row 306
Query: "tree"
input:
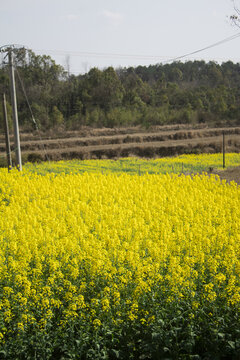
column 235, row 18
column 42, row 79
column 176, row 75
column 102, row 89
column 145, row 95
column 56, row 117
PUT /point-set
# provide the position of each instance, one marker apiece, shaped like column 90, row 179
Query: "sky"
column 82, row 34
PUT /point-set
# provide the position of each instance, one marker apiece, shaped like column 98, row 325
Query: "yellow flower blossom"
column 97, row 323
column 93, row 247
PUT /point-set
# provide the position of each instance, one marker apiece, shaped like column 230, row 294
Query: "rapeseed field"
column 118, row 266
column 186, row 164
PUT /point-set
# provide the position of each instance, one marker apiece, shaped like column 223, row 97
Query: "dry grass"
column 113, row 143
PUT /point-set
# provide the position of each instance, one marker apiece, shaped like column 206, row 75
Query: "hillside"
column 191, row 93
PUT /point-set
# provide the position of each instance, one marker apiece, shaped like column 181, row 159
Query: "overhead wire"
column 12, row 151
column 137, row 56
column 96, row 54
column 32, row 116
column 205, row 48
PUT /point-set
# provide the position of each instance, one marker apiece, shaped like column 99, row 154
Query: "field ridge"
column 123, row 142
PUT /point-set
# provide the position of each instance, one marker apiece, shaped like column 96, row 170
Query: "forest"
column 191, row 92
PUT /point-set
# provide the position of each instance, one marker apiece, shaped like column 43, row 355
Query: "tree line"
column 192, row 92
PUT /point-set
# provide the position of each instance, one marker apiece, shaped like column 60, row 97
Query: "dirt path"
column 231, row 174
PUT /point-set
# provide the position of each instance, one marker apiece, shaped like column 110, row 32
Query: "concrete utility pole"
column 8, row 149
column 14, row 111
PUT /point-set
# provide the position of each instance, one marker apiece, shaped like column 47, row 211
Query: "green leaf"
column 160, row 322
column 116, row 353
column 155, row 336
column 231, row 344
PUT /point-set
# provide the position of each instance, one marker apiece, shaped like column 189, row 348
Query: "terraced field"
column 115, row 143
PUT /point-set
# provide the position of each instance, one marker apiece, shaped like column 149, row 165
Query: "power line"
column 33, row 118
column 205, row 48
column 137, row 56
column 77, row 71
column 97, row 54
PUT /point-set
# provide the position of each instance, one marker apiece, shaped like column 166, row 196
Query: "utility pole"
column 15, row 113
column 223, row 146
column 8, row 149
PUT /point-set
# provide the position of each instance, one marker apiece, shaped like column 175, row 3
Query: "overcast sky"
column 81, row 34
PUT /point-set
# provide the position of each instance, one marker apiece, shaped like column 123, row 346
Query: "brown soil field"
column 231, row 174
column 105, row 143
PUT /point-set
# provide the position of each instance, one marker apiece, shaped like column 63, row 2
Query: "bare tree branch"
column 235, row 18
